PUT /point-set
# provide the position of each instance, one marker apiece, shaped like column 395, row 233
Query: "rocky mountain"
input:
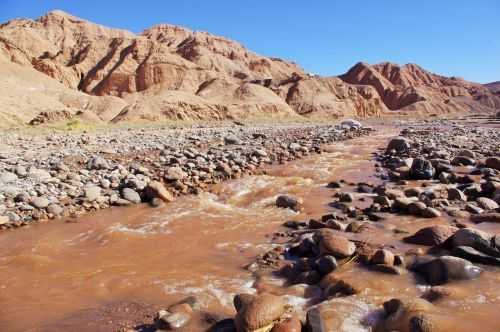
column 494, row 86
column 412, row 88
column 60, row 67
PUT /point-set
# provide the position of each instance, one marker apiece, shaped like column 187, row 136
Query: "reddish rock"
column 335, row 245
column 431, row 236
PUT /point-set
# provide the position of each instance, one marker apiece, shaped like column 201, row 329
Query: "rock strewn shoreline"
column 430, row 171
column 60, row 175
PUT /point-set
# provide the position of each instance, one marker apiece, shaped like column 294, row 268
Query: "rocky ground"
column 429, row 171
column 437, row 170
column 62, row 175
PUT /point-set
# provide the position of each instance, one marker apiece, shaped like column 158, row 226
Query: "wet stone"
column 171, row 321
column 285, row 201
column 345, row 197
column 431, row 236
column 326, row 264
column 486, row 203
column 383, row 256
column 131, row 195
column 421, row 169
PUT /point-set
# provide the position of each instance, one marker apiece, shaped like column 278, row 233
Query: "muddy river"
column 53, row 273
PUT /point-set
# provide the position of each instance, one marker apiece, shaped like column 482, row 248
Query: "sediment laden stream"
column 198, row 245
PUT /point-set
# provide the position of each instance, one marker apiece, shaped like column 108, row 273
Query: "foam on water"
column 359, row 316
column 221, row 290
column 153, row 227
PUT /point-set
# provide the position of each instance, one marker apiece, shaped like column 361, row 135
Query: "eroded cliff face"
column 169, row 72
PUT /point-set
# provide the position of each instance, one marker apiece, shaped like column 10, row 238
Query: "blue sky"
column 449, row 37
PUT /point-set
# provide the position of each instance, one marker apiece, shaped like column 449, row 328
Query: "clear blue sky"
column 449, row 37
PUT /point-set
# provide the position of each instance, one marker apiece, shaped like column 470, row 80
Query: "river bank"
column 66, row 175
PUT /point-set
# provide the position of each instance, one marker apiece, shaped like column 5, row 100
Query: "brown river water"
column 51, row 273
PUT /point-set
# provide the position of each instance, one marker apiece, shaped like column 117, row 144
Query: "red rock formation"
column 169, row 72
column 411, row 87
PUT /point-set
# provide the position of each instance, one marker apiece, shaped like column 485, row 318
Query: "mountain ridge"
column 172, row 72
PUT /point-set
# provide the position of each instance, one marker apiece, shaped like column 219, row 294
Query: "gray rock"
column 13, row 216
column 40, row 202
column 92, row 193
column 260, row 153
column 351, row 124
column 481, row 241
column 131, row 195
column 98, row 163
column 21, row 171
column 7, row 177
column 55, row 209
column 442, row 269
column 232, row 140
column 39, row 174
column 475, row 256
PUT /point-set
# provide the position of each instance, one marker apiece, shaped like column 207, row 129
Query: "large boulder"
column 262, row 312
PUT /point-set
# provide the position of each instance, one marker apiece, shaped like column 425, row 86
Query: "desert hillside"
column 494, row 86
column 59, row 67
